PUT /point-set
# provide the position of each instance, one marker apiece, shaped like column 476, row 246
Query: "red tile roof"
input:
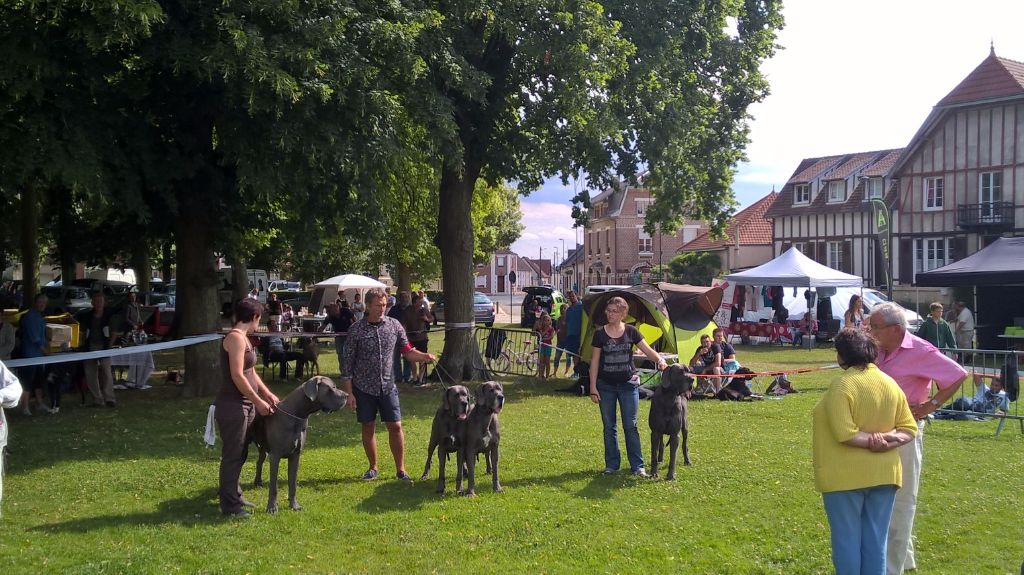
column 994, row 78
column 819, row 166
column 750, row 225
column 884, row 163
column 851, row 165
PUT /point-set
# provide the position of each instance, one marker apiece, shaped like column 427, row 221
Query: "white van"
column 257, row 279
column 604, row 288
column 797, row 305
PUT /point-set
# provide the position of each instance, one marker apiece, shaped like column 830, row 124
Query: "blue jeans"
column 859, row 520
column 628, row 399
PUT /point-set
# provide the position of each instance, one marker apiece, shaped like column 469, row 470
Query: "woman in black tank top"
column 242, row 395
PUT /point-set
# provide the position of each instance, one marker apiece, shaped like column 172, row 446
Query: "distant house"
column 493, row 277
column 570, row 271
column 747, row 242
column 617, row 249
column 961, row 178
column 825, row 210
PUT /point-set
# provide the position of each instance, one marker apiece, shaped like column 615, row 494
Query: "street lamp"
column 554, row 261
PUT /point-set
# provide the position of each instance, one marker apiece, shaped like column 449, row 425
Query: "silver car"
column 483, row 310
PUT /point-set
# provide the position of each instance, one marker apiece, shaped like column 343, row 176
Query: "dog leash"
column 277, row 408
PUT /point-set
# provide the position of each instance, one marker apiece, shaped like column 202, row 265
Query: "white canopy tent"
column 326, row 291
column 794, row 269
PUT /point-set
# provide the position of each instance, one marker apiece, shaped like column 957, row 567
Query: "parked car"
column 604, row 288
column 285, row 286
column 66, row 299
column 169, row 290
column 109, row 287
column 484, row 309
column 797, row 305
column 550, row 299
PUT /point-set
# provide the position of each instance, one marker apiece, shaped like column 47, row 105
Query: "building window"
column 873, row 189
column 933, row 192
column 802, row 194
column 990, row 190
column 608, row 241
column 690, row 233
column 501, row 261
column 930, row 253
column 644, row 244
column 641, row 207
column 837, row 191
column 835, row 255
column 800, row 247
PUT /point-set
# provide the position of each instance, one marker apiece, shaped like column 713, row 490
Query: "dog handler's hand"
column 595, row 397
column 264, row 408
column 662, row 366
column 351, row 402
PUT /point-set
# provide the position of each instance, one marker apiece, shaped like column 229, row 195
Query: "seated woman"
column 707, row 360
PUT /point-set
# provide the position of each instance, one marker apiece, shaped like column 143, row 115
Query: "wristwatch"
column 935, row 402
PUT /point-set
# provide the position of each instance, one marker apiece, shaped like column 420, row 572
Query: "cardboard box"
column 58, row 335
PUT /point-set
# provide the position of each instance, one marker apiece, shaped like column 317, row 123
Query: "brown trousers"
column 233, row 422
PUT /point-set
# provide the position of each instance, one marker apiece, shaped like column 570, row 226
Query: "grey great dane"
column 483, row 433
column 669, row 417
column 448, row 433
column 282, row 434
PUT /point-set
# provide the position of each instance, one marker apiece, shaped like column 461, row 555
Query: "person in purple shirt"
column 914, row 364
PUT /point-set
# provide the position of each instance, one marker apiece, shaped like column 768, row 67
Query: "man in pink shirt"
column 914, row 364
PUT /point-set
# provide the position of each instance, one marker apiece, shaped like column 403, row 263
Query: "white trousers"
column 900, row 545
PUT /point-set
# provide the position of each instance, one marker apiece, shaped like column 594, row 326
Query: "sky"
column 850, row 77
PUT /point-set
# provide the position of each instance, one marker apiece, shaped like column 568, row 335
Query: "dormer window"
column 873, row 189
column 802, row 194
column 642, row 208
column 837, row 191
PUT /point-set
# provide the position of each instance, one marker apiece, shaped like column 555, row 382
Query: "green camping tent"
column 671, row 317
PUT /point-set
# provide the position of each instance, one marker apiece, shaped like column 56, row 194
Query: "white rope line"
column 99, row 354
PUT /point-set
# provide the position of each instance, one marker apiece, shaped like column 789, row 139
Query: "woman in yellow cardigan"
column 858, row 424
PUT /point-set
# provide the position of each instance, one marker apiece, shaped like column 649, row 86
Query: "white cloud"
column 548, row 226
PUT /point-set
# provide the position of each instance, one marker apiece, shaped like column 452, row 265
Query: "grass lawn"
column 133, row 490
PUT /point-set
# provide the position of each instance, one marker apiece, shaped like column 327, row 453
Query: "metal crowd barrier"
column 977, row 400
column 509, row 351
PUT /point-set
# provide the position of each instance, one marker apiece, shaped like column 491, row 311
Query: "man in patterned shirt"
column 368, row 377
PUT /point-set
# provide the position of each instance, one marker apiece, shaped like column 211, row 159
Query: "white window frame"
column 800, row 247
column 930, row 253
column 834, row 255
column 644, row 240
column 641, row 207
column 836, row 191
column 933, row 194
column 874, row 194
column 690, row 232
column 500, row 261
column 993, row 189
column 802, row 194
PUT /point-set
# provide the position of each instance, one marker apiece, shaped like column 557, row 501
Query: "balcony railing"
column 990, row 215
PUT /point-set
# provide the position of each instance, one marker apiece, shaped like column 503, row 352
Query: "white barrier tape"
column 99, row 354
column 448, row 326
column 284, row 334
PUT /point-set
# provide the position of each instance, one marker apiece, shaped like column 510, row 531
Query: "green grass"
column 132, row 490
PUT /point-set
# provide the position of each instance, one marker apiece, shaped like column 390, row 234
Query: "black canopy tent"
column 997, row 274
column 1001, row 262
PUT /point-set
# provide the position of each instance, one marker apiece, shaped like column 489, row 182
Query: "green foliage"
column 497, row 219
column 86, row 493
column 694, row 268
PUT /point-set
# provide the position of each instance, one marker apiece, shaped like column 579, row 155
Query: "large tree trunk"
column 142, row 266
column 461, row 357
column 198, row 306
column 66, row 241
column 239, row 279
column 404, row 277
column 29, row 243
column 166, row 260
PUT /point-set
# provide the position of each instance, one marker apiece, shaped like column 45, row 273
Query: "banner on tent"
column 724, row 313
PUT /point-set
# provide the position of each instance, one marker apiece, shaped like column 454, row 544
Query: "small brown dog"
column 311, row 355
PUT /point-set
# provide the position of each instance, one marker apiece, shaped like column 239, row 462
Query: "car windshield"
column 480, row 298
column 875, row 298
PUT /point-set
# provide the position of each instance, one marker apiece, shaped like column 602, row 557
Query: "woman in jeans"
column 613, row 381
column 858, row 424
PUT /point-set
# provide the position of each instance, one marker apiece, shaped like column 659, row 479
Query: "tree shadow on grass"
column 197, row 509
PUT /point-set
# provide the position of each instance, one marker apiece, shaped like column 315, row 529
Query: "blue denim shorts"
column 368, row 405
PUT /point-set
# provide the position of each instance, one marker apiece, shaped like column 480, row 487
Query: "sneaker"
column 120, row 387
column 403, row 476
column 54, row 410
column 144, row 386
column 26, row 411
column 642, row 473
column 370, row 475
column 610, row 471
